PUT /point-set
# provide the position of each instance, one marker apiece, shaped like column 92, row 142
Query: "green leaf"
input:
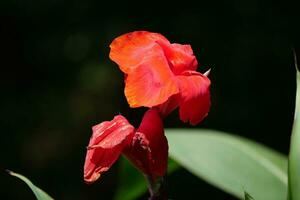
column 294, row 156
column 40, row 194
column 248, row 196
column 132, row 184
column 231, row 163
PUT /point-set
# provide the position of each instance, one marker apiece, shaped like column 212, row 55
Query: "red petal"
column 106, row 144
column 152, row 83
column 149, row 149
column 180, row 57
column 195, row 97
column 129, row 50
column 170, row 105
column 149, row 80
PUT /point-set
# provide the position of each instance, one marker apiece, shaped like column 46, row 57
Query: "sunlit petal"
column 152, row 83
column 129, row 50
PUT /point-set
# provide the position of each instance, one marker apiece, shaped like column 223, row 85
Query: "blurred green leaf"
column 248, row 196
column 232, row 163
column 294, row 156
column 40, row 194
column 132, row 184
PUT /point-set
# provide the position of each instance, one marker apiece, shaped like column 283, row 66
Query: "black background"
column 57, row 81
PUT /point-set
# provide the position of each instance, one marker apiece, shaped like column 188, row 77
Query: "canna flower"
column 163, row 75
column 146, row 147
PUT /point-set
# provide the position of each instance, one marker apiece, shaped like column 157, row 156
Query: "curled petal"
column 129, row 50
column 106, row 144
column 195, row 102
column 149, row 148
column 180, row 57
column 152, row 83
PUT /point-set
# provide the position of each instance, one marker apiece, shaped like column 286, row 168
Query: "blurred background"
column 57, row 81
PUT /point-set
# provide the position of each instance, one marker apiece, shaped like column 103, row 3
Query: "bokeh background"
column 57, row 81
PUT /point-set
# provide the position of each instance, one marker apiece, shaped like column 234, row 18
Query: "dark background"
column 57, row 81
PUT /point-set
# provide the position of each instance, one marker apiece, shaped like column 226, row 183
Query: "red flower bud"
column 148, row 150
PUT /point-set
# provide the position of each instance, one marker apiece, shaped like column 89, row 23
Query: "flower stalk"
column 157, row 188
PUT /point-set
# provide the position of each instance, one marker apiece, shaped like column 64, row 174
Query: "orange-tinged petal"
column 149, row 148
column 129, row 50
column 106, row 144
column 195, row 102
column 180, row 57
column 152, row 83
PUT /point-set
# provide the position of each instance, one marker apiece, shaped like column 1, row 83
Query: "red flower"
column 147, row 147
column 161, row 74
